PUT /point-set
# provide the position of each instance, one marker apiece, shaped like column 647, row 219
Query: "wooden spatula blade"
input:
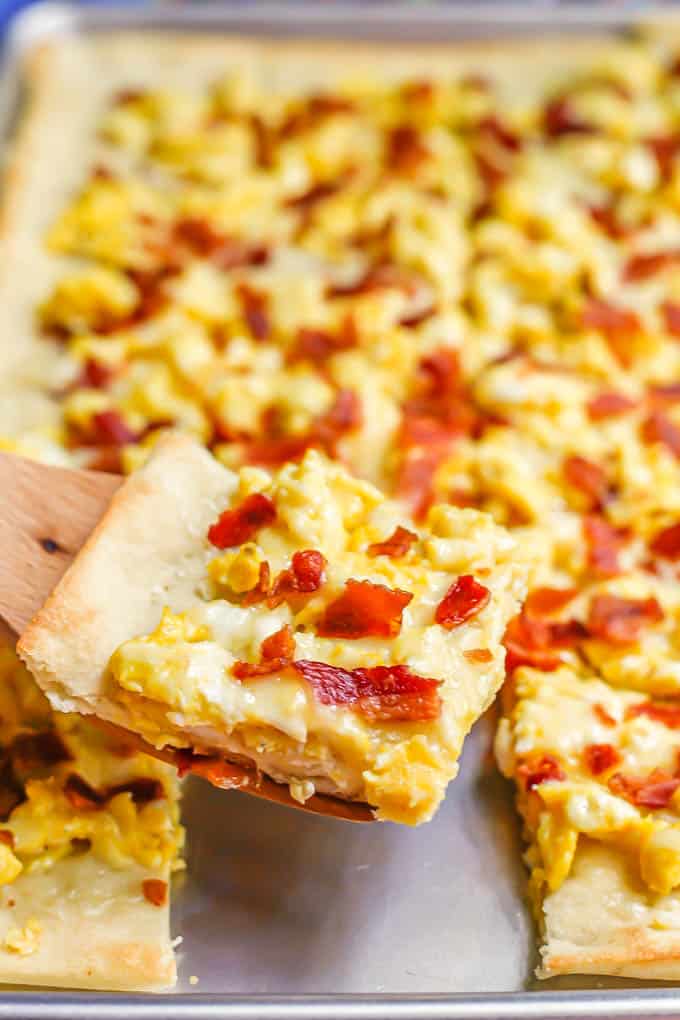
column 47, row 514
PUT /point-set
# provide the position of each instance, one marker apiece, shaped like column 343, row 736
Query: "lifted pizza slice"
column 297, row 622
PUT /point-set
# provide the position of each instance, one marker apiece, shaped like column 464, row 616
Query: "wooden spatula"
column 46, row 515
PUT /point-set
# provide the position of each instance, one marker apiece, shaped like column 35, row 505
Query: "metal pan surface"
column 285, row 915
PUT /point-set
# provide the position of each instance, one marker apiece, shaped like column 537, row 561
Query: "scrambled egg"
column 68, row 788
column 192, row 674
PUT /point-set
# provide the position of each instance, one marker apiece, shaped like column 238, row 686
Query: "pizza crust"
column 603, row 921
column 96, row 929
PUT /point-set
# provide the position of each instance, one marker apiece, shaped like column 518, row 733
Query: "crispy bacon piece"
column 84, row 797
column 255, row 308
column 653, row 792
column 603, row 715
column 236, row 526
column 604, row 543
column 665, row 712
column 412, row 319
column 658, row 428
column 609, row 404
column 666, row 542
column 382, row 276
column 546, row 601
column 155, row 891
column 664, row 148
column 619, row 621
column 671, row 314
column 110, row 429
column 620, row 326
column 95, row 375
column 314, row 111
column 32, row 751
column 646, row 264
column 318, row 345
column 540, row 768
column 7, row 837
column 663, row 394
column 479, row 655
column 197, row 234
column 502, row 135
column 398, row 544
column 380, row 693
column 464, row 599
column 589, row 478
column 560, row 118
column 343, row 416
column 605, row 216
column 276, row 653
column 600, row 758
column 306, row 200
column 363, row 610
column 306, row 574
column 406, row 150
column 201, row 238
column 531, row 641
column 262, row 588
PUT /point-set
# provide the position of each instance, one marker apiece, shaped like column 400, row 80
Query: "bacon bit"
column 671, row 314
column 464, row 599
column 142, row 790
column 7, row 838
column 619, row 621
column 318, row 345
column 111, row 429
column 262, row 588
column 32, row 751
column 664, row 149
column 226, row 252
column 317, row 193
column 644, row 265
column 605, row 216
column 198, row 235
column 130, row 95
column 406, row 150
column 380, row 693
column 666, row 543
column 664, row 394
column 609, row 405
column 264, row 142
column 665, row 712
column 479, row 655
column 306, row 574
column 619, row 325
column 236, row 526
column 545, row 601
column 500, row 133
column 398, row 544
column 343, row 416
column 530, row 641
column 81, row 795
column 560, row 118
column 276, row 653
column 255, row 309
column 603, row 715
column 382, row 276
column 600, row 757
column 654, row 792
column 589, row 478
column 421, row 91
column 155, row 891
column 317, row 108
column 658, row 428
column 363, row 610
column 604, row 543
column 540, row 768
column 95, row 375
column 414, row 483
column 413, row 319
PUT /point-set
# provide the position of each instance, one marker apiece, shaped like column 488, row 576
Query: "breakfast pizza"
column 296, row 620
column 423, row 310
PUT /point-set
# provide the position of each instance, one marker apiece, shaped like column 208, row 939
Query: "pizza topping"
column 641, row 267
column 600, row 757
column 546, row 601
column 603, row 543
column 603, row 715
column 530, row 641
column 540, row 768
column 236, row 526
column 653, row 792
column 589, row 478
column 398, row 544
column 481, row 655
column 406, row 150
column 84, row 797
column 255, row 308
column 609, row 404
column 306, row 574
column 33, row 751
column 666, row 542
column 318, row 345
column 658, row 428
column 664, row 148
column 155, row 891
column 363, row 610
column 619, row 325
column 111, row 429
column 619, row 621
column 560, row 118
column 667, row 713
column 380, row 693
column 464, row 599
column 671, row 314
column 343, row 416
column 276, row 653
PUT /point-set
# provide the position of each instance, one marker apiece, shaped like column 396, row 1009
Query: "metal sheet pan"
column 285, row 915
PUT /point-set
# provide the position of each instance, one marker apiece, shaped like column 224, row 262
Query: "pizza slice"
column 597, row 771
column 296, row 622
column 89, row 835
